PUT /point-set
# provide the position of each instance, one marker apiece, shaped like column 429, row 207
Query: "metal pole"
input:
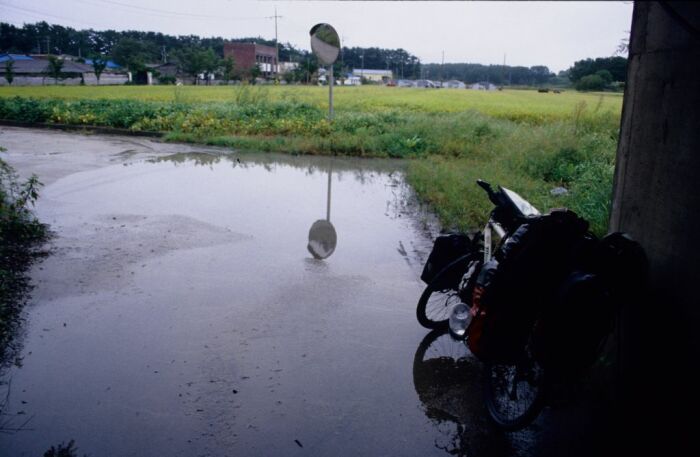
column 277, row 48
column 328, row 200
column 330, row 92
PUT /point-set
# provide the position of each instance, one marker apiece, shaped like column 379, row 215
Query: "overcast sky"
column 528, row 33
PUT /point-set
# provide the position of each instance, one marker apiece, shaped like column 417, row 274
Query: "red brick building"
column 246, row 55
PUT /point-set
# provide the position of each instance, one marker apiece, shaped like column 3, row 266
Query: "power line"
column 42, row 15
column 177, row 13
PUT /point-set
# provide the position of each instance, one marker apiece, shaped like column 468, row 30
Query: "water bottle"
column 459, row 320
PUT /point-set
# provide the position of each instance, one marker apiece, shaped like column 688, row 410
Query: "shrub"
column 20, row 231
column 590, row 82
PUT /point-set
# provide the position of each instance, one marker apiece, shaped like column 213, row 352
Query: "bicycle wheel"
column 515, row 393
column 438, row 298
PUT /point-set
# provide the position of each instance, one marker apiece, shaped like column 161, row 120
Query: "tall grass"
column 578, row 155
column 20, row 232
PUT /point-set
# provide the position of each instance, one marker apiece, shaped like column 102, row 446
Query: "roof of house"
column 13, row 57
column 366, row 71
column 261, row 48
column 112, row 65
column 39, row 64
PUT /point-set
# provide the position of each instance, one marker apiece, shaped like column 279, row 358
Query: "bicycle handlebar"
column 493, row 196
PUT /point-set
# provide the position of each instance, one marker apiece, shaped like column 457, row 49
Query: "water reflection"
column 322, row 235
column 447, row 379
column 362, row 170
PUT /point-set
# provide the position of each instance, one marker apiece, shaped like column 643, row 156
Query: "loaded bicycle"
column 534, row 307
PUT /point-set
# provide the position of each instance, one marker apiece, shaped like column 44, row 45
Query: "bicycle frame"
column 495, row 226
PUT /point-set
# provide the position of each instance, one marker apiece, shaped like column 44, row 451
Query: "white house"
column 286, row 67
column 454, row 84
column 351, row 80
column 426, row 83
column 483, row 86
column 373, row 75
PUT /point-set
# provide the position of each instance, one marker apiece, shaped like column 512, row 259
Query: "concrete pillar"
column 656, row 199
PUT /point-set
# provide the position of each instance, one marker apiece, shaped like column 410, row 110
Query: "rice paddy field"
column 522, row 139
column 506, row 104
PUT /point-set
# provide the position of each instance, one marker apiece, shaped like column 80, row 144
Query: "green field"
column 516, row 105
column 524, row 140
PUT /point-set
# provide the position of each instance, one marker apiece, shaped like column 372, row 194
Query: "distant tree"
column 305, row 71
column 228, row 66
column 254, row 73
column 211, row 63
column 55, row 68
column 605, row 75
column 194, row 61
column 9, row 71
column 590, row 83
column 617, row 66
column 541, row 74
column 289, row 77
column 134, row 54
column 99, row 63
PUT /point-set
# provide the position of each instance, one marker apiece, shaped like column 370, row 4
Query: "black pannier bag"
column 512, row 291
column 446, row 249
column 567, row 338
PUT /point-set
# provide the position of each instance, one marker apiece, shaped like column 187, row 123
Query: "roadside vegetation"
column 20, row 235
column 528, row 141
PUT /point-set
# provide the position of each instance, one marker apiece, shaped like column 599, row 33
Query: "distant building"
column 426, row 83
column 454, row 84
column 286, row 67
column 32, row 70
column 373, row 75
column 351, row 80
column 110, row 66
column 483, row 86
column 322, row 77
column 247, row 55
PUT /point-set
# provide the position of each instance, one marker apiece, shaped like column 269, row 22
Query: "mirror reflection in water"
column 322, row 235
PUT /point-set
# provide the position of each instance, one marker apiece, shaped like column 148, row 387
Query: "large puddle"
column 181, row 313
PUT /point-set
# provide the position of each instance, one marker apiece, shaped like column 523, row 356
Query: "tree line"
column 587, row 74
column 133, row 49
column 197, row 55
column 496, row 74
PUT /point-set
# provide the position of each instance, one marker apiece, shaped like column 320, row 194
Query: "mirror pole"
column 331, row 82
column 328, row 200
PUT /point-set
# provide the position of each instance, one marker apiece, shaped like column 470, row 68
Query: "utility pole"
column 277, row 46
column 362, row 70
column 163, row 54
column 48, row 45
column 442, row 67
column 503, row 73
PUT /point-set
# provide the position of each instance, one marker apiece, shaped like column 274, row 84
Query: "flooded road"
column 181, row 313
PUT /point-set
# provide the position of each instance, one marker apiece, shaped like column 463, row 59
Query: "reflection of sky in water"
column 186, row 277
